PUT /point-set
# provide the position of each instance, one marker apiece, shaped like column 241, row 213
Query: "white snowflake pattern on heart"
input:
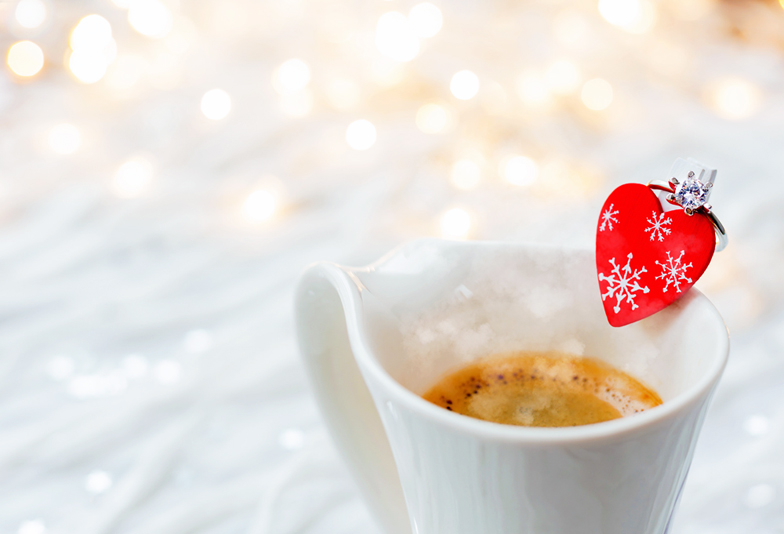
column 623, row 283
column 608, row 218
column 658, row 226
column 673, row 272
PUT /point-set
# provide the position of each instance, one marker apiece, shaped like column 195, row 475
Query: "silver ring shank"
column 721, row 234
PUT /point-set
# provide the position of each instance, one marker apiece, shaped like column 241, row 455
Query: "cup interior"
column 433, row 306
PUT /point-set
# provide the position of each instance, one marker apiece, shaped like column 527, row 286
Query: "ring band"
column 721, row 233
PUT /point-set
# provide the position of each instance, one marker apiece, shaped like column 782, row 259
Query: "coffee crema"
column 541, row 389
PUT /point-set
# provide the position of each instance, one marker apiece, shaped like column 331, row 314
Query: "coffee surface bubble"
column 541, row 389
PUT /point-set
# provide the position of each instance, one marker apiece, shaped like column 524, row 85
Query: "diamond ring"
column 692, row 196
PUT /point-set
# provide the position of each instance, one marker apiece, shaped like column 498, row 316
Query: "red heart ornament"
column 647, row 258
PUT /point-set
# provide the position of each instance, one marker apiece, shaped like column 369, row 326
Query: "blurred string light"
column 198, row 341
column 396, row 38
column 127, row 71
column 134, row 366
column 167, row 372
column 343, row 94
column 30, row 13
column 216, row 104
column 570, row 28
column 64, row 139
column 150, row 18
column 92, row 49
column 635, row 16
column 757, row 425
column 562, row 77
column 759, row 496
column 597, row 94
column 519, row 170
column 33, row 526
column 361, row 134
column 455, row 223
column 465, row 174
column 434, row 118
column 292, row 439
column 260, row 206
column 494, row 98
column 735, row 98
column 425, row 19
column 25, row 59
column 291, row 76
column 297, row 104
column 98, row 482
column 387, row 72
column 60, row 367
column 464, row 85
column 532, row 89
column 291, row 80
column 133, row 178
column 693, row 9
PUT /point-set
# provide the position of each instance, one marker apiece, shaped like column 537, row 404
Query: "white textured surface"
column 149, row 378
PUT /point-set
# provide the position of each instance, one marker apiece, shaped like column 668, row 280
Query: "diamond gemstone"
column 691, row 194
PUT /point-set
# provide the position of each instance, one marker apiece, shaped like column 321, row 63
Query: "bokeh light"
column 259, row 206
column 621, row 13
column 88, row 66
column 434, row 118
column 361, row 134
column 465, row 174
column 343, row 94
column 93, row 31
column 464, row 85
column 597, row 94
column 291, row 76
column 562, row 77
column 425, row 19
column 395, row 37
column 735, row 98
column 64, row 139
column 297, row 104
column 167, row 372
column 570, row 28
column 693, row 9
column 30, row 13
column 635, row 16
column 93, row 49
column 455, row 223
column 98, row 482
column 532, row 89
column 133, row 178
column 32, row 526
column 25, row 58
column 150, row 18
column 386, row 72
column 519, row 170
column 127, row 71
column 216, row 104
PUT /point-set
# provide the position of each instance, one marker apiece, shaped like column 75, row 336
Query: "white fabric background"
column 149, row 378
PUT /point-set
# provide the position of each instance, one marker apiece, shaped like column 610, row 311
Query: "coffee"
column 541, row 389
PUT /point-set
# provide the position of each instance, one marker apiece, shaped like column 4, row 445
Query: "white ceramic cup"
column 375, row 338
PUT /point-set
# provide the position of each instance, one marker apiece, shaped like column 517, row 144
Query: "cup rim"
column 488, row 430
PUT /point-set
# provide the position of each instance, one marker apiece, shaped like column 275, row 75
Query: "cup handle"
column 327, row 297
